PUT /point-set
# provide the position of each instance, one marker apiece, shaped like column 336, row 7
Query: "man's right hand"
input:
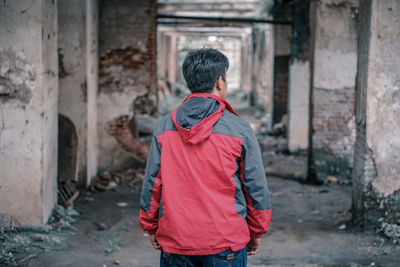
column 154, row 242
column 253, row 246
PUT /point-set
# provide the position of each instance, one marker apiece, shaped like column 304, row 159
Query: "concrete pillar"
column 246, row 59
column 92, row 72
column 333, row 86
column 299, row 79
column 28, row 110
column 162, row 59
column 172, row 58
column 78, row 59
column 263, row 65
column 376, row 183
column 161, row 51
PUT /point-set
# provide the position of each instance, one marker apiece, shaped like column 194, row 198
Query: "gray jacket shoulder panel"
column 165, row 124
column 232, row 125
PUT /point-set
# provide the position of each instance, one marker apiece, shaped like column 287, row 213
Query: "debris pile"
column 67, row 192
column 121, row 129
column 20, row 246
column 110, row 180
column 112, row 245
column 391, row 231
column 273, row 144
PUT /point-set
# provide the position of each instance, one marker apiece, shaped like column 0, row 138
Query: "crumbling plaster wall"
column 28, row 110
column 333, row 86
column 127, row 68
column 376, row 183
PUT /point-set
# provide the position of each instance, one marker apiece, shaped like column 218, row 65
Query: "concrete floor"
column 304, row 231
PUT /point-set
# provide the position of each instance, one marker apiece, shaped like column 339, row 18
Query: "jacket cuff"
column 256, row 235
column 152, row 232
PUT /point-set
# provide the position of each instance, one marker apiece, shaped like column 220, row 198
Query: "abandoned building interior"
column 84, row 82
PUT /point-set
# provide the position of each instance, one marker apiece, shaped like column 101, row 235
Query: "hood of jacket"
column 196, row 116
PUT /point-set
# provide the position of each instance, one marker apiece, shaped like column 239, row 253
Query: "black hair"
column 202, row 68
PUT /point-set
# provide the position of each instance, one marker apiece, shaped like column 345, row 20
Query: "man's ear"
column 219, row 83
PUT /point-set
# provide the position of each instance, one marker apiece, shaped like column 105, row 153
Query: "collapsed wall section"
column 127, row 70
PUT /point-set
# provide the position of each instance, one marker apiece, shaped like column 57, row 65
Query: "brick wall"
column 127, row 40
column 333, row 131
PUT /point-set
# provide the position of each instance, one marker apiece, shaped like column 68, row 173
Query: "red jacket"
column 205, row 189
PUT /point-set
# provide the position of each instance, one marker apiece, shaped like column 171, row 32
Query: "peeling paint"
column 17, row 78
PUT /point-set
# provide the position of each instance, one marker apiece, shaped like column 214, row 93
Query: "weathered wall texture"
column 376, row 183
column 127, row 33
column 299, row 78
column 263, row 65
column 77, row 54
column 28, row 110
column 333, row 92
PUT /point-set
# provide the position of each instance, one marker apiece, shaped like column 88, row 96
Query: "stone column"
column 28, row 110
column 376, row 183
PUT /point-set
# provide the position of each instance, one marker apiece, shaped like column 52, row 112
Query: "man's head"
column 205, row 71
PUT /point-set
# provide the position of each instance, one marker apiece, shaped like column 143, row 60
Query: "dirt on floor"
column 310, row 226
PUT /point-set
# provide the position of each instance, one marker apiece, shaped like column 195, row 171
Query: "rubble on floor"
column 285, row 166
column 277, row 159
column 391, row 231
column 112, row 245
column 67, row 193
column 20, row 246
column 110, row 180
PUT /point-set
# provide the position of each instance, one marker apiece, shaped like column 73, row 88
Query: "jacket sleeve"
column 255, row 186
column 151, row 190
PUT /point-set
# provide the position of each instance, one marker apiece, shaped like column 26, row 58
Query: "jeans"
column 223, row 259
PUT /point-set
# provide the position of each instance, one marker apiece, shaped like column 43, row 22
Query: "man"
column 205, row 197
